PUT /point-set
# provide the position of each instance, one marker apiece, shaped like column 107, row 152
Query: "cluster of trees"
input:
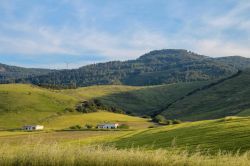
column 156, row 67
column 163, row 121
column 94, row 106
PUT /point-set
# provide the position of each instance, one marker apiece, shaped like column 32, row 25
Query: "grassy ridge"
column 147, row 100
column 228, row 98
column 231, row 134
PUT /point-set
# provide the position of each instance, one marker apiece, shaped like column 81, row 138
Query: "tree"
column 159, row 119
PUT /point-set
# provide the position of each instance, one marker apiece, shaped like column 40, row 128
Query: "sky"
column 72, row 33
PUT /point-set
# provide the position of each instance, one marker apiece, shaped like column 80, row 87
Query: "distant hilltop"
column 153, row 68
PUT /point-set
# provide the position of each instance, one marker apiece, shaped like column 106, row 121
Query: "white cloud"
column 32, row 39
column 221, row 48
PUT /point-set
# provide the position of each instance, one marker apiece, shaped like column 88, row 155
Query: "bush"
column 168, row 122
column 123, row 126
column 89, row 126
column 76, row 127
column 152, row 126
column 175, row 121
column 146, row 116
column 69, row 110
column 159, row 119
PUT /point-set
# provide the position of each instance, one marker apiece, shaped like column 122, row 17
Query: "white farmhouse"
column 108, row 126
column 33, row 127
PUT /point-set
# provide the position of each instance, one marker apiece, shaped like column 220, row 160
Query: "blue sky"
column 51, row 33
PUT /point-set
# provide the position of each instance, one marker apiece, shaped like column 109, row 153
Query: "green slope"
column 24, row 104
column 67, row 120
column 231, row 133
column 149, row 100
column 230, row 97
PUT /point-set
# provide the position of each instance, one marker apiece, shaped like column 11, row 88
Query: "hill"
column 27, row 104
column 236, row 62
column 225, row 98
column 154, row 68
column 227, row 134
column 22, row 104
column 8, row 74
column 148, row 100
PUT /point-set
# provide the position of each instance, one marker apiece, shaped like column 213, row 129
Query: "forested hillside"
column 8, row 74
column 153, row 68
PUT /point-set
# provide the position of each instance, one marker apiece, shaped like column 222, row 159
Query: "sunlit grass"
column 58, row 155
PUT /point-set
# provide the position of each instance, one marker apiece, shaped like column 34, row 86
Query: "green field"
column 229, row 134
column 211, row 142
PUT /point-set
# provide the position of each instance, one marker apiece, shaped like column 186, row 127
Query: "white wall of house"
column 33, row 127
column 108, row 126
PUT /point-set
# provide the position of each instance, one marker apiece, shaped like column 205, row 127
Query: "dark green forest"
column 154, row 68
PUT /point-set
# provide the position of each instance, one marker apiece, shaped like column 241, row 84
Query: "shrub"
column 89, row 126
column 168, row 122
column 146, row 116
column 76, row 127
column 69, row 110
column 151, row 126
column 175, row 121
column 159, row 119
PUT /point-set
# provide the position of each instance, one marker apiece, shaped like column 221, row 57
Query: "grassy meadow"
column 226, row 134
column 67, row 155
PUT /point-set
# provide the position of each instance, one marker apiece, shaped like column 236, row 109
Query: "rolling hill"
column 227, row 134
column 154, row 68
column 148, row 100
column 22, row 104
column 227, row 98
column 25, row 104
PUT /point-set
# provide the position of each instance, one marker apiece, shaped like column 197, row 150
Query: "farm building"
column 33, row 127
column 108, row 126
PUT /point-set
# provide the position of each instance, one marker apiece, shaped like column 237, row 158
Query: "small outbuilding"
column 33, row 127
column 108, row 126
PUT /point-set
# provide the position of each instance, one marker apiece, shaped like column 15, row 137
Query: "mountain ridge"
column 153, row 68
